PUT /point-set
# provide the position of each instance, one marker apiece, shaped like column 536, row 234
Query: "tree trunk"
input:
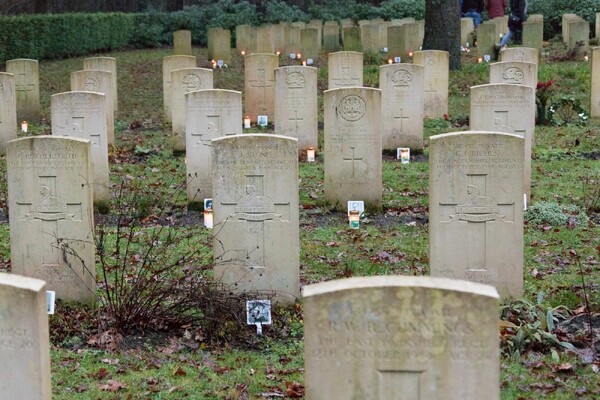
column 442, row 29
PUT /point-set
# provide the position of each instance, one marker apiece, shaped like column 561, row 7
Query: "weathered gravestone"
column 309, row 43
column 105, row 64
column 345, row 69
column 183, row 81
column 169, row 64
column 219, row 44
column 595, row 89
column 401, row 106
column 293, row 40
column 515, row 72
column 476, row 209
column 8, row 110
column 353, row 147
column 278, row 37
column 436, row 75
column 579, row 38
column 369, row 37
column 523, row 54
column 486, row 39
column 318, row 25
column 182, row 43
column 264, row 40
column 466, row 31
column 24, row 339
column 351, row 39
column 296, row 105
column 510, row 109
column 51, row 215
column 403, row 40
column 566, row 18
column 401, row 338
column 331, row 36
column 259, row 85
column 245, row 39
column 255, row 200
column 92, row 80
column 27, row 87
column 83, row 115
column 210, row 114
column 533, row 32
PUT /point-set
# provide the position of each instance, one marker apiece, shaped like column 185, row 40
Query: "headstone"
column 245, row 39
column 259, row 85
column 8, row 110
column 293, row 42
column 92, row 80
column 402, row 338
column 345, row 69
column 401, row 105
column 169, row 64
column 296, row 105
column 210, row 114
column 525, row 54
column 510, row 109
column 51, row 216
column 83, row 115
column 264, row 40
column 278, row 37
column 466, row 31
column 183, row 81
column 595, row 89
column 219, row 44
column 331, row 36
column 597, row 28
column 369, row 37
column 345, row 23
column 436, row 76
column 476, row 209
column 566, row 18
column 515, row 72
column 533, row 32
column 486, row 39
column 182, row 43
column 353, row 147
column 105, row 64
column 27, row 87
column 255, row 200
column 402, row 40
column 579, row 38
column 25, row 339
column 309, row 42
column 318, row 25
column 351, row 39
column 501, row 27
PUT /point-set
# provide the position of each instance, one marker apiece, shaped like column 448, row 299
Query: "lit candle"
column 208, row 218
column 310, row 154
column 299, row 56
column 390, row 61
column 278, row 53
column 247, row 122
column 243, row 52
column 410, row 53
column 404, row 155
column 304, row 63
column 586, row 58
column 354, row 219
column 480, row 60
column 24, row 126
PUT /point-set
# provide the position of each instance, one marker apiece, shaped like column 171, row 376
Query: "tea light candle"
column 278, row 53
column 410, row 53
column 586, row 58
column 304, row 63
column 310, row 154
column 208, row 218
column 247, row 122
column 243, row 52
column 480, row 60
column 354, row 219
column 299, row 56
column 24, row 125
column 390, row 61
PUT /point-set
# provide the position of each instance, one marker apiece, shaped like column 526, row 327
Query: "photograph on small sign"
column 208, row 204
column 258, row 312
column 356, row 205
column 263, row 120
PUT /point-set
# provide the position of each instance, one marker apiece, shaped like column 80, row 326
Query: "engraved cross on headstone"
column 431, row 93
column 401, row 117
column 296, row 119
column 400, row 384
column 353, row 159
column 21, row 84
column 264, row 83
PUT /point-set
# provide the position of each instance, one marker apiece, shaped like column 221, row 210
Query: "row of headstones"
column 379, row 337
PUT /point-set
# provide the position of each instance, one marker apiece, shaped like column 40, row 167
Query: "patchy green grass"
column 561, row 262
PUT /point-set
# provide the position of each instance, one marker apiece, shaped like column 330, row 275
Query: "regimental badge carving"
column 352, row 108
column 256, row 207
column 429, row 59
column 295, row 80
column 513, row 75
column 1, row 87
column 91, row 84
column 191, row 83
column 477, row 208
column 520, row 55
column 401, row 77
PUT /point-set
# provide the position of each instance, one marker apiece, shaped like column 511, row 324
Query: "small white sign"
column 487, row 58
column 263, row 120
column 309, row 61
column 220, row 63
column 258, row 312
column 524, row 201
column 403, row 154
column 397, row 60
column 385, row 49
column 208, row 204
column 356, row 205
column 293, row 56
column 50, row 299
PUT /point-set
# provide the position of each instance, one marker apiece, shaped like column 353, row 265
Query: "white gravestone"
column 168, row 65
column 259, row 85
column 435, row 81
column 8, row 110
column 105, row 64
column 27, row 87
column 345, row 69
column 515, row 72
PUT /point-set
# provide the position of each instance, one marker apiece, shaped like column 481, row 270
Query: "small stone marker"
column 353, row 147
column 50, row 199
column 436, row 76
column 259, row 85
column 210, row 114
column 510, row 109
column 351, row 38
column 515, row 72
column 309, row 42
column 345, row 69
column 83, row 115
column 24, row 339
column 169, row 64
column 595, row 89
column 245, row 39
column 8, row 110
column 296, row 105
column 92, row 80
column 401, row 105
column 182, row 43
column 401, row 338
column 105, row 64
column 255, row 194
column 184, row 81
column 486, row 39
column 27, row 87
column 533, row 32
column 219, row 44
column 476, row 209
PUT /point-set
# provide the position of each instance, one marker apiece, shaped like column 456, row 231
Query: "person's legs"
column 475, row 16
column 506, row 38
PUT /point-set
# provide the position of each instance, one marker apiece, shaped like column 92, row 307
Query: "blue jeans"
column 506, row 38
column 476, row 17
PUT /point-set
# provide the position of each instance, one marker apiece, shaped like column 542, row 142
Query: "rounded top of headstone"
column 465, row 133
column 258, row 136
column 345, row 53
column 22, row 60
column 352, row 89
column 45, row 138
column 21, row 282
column 425, row 282
column 82, row 93
column 254, row 55
column 100, row 58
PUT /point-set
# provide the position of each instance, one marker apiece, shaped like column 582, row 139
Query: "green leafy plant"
column 550, row 213
column 567, row 110
column 544, row 91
